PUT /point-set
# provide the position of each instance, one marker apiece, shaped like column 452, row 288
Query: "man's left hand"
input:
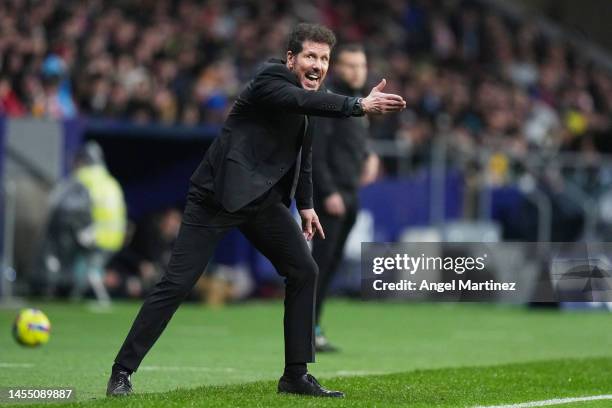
column 311, row 224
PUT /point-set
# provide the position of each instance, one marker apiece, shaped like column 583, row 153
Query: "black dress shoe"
column 305, row 385
column 119, row 384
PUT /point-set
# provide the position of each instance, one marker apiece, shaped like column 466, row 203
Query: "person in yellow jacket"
column 87, row 225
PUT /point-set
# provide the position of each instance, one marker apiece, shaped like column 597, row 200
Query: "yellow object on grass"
column 31, row 328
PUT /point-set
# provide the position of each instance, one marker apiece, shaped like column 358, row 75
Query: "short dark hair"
column 309, row 32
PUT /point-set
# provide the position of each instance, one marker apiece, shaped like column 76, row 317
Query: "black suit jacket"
column 261, row 138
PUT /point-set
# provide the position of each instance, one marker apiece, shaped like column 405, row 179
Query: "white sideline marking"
column 349, row 373
column 182, row 368
column 556, row 401
column 16, row 365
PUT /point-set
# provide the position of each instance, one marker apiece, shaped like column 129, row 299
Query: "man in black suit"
column 342, row 162
column 246, row 180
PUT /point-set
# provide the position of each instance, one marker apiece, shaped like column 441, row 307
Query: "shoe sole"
column 310, row 395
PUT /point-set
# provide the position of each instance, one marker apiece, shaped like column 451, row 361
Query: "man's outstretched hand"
column 378, row 103
column 311, row 224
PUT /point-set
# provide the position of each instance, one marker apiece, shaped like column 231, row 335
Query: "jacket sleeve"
column 71, row 208
column 303, row 191
column 321, row 174
column 273, row 87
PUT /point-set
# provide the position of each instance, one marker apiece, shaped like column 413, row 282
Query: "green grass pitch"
column 393, row 354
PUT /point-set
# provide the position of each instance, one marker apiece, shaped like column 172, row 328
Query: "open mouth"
column 312, row 80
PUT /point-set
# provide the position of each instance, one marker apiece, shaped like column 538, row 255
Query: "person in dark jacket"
column 86, row 226
column 342, row 162
column 247, row 179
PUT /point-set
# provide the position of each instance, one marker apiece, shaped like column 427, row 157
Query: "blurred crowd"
column 491, row 80
column 467, row 72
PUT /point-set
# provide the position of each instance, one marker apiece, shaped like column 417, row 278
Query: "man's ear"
column 290, row 60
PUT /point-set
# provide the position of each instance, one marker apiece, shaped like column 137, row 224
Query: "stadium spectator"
column 10, row 105
column 342, row 163
column 500, row 83
column 87, row 220
column 55, row 100
column 138, row 266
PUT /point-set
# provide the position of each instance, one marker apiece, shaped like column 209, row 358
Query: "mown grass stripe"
column 555, row 401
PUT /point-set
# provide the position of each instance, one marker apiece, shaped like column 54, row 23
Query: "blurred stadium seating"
column 506, row 123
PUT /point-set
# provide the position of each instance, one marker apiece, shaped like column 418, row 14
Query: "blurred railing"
column 8, row 274
column 533, row 173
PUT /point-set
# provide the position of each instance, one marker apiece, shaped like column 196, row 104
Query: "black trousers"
column 269, row 226
column 327, row 252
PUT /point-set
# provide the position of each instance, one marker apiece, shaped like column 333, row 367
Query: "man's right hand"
column 334, row 205
column 378, row 103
